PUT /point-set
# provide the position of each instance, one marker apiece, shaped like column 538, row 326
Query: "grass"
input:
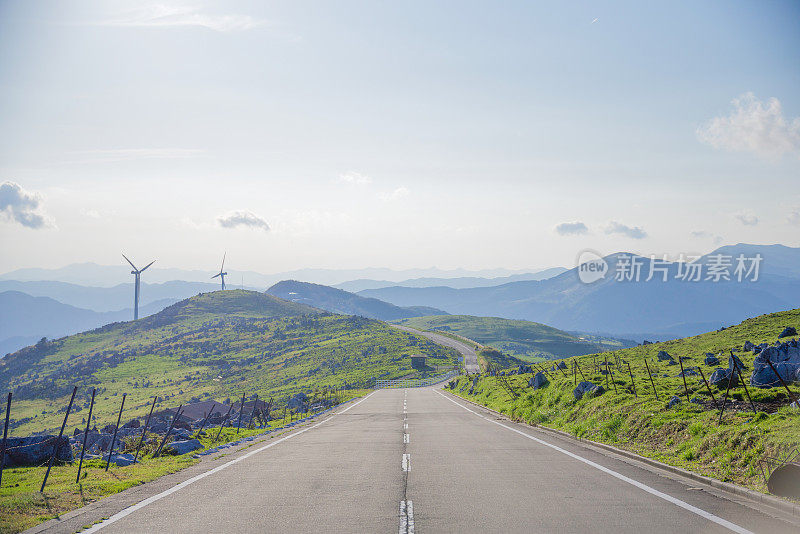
column 688, row 435
column 525, row 340
column 216, row 345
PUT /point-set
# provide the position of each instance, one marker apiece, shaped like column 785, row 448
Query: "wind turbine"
column 221, row 274
column 137, row 273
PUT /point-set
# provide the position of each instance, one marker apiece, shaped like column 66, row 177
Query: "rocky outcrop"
column 784, row 357
column 588, row 390
column 35, row 450
column 539, row 380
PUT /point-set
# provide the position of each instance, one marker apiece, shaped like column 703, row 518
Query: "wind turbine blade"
column 148, row 265
column 129, row 261
column 216, row 275
column 223, row 261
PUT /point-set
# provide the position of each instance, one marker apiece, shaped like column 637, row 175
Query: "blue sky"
column 397, row 134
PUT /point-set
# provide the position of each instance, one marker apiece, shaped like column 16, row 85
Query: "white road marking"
column 406, row 438
column 406, row 517
column 669, row 498
column 150, row 500
column 406, row 463
column 405, row 426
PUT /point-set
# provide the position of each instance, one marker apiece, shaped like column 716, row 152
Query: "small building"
column 418, row 362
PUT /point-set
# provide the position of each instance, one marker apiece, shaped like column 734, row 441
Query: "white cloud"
column 247, row 219
column 753, row 126
column 397, row 194
column 634, row 232
column 172, row 16
column 132, row 154
column 354, row 178
column 21, row 206
column 747, row 218
column 794, row 217
column 571, row 228
column 702, row 234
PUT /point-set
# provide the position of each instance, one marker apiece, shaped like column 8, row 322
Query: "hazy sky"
column 395, row 134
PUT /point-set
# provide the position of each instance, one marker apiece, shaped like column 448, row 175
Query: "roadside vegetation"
column 688, row 435
column 525, row 340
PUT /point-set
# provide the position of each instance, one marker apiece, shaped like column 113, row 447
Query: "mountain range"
column 638, row 310
column 342, row 302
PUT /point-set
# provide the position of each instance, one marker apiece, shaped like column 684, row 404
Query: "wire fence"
column 414, row 382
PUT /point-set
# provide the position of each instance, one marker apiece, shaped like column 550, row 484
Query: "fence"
column 414, row 382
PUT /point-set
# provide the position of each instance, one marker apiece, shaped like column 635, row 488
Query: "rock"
column 587, row 389
column 787, row 332
column 721, row 376
column 35, row 450
column 689, row 371
column 734, row 358
column 159, row 427
column 663, row 355
column 538, row 380
column 696, row 400
column 645, row 342
column 672, row 362
column 133, row 423
column 122, row 460
column 182, row 447
column 108, row 429
column 764, row 377
column 559, row 365
column 748, row 346
column 711, row 360
column 674, row 401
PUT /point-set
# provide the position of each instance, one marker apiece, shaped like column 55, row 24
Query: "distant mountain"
column 779, row 260
column 339, row 301
column 525, row 340
column 92, row 274
column 653, row 310
column 103, row 299
column 456, row 283
column 25, row 319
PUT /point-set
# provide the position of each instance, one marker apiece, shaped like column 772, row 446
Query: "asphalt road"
column 420, row 460
column 467, row 350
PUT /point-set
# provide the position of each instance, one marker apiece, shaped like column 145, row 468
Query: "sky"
column 407, row 134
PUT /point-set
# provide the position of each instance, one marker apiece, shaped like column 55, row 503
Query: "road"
column 421, row 460
column 466, row 350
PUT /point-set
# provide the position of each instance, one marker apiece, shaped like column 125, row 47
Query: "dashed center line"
column 406, row 517
column 406, row 438
column 406, row 463
column 405, row 426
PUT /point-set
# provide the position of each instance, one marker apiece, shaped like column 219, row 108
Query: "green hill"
column 525, row 340
column 215, row 345
column 689, row 435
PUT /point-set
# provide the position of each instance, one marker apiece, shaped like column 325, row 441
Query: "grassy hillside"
column 216, row 345
column 688, row 435
column 522, row 339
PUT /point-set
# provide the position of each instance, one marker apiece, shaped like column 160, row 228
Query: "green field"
column 216, row 345
column 688, row 435
column 525, row 340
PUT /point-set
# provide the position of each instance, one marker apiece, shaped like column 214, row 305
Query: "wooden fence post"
column 116, row 428
column 651, row 379
column 61, row 433
column 683, row 375
column 85, row 437
column 144, row 430
column 5, row 438
column 222, row 423
column 708, row 387
column 633, row 385
column 241, row 410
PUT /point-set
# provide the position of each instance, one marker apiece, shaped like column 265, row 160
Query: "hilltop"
column 340, row 301
column 525, row 340
column 214, row 345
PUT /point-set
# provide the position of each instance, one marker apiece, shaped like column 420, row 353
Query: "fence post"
column 241, row 410
column 222, row 423
column 116, row 428
column 708, row 387
column 739, row 371
column 5, row 437
column 85, row 436
column 725, row 398
column 61, row 433
column 253, row 412
column 213, row 405
column 683, row 375
column 169, row 431
column 579, row 369
column 651, row 379
column 608, row 368
column 633, row 385
column 144, row 430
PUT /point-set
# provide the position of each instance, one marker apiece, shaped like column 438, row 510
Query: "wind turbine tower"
column 137, row 274
column 221, row 272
